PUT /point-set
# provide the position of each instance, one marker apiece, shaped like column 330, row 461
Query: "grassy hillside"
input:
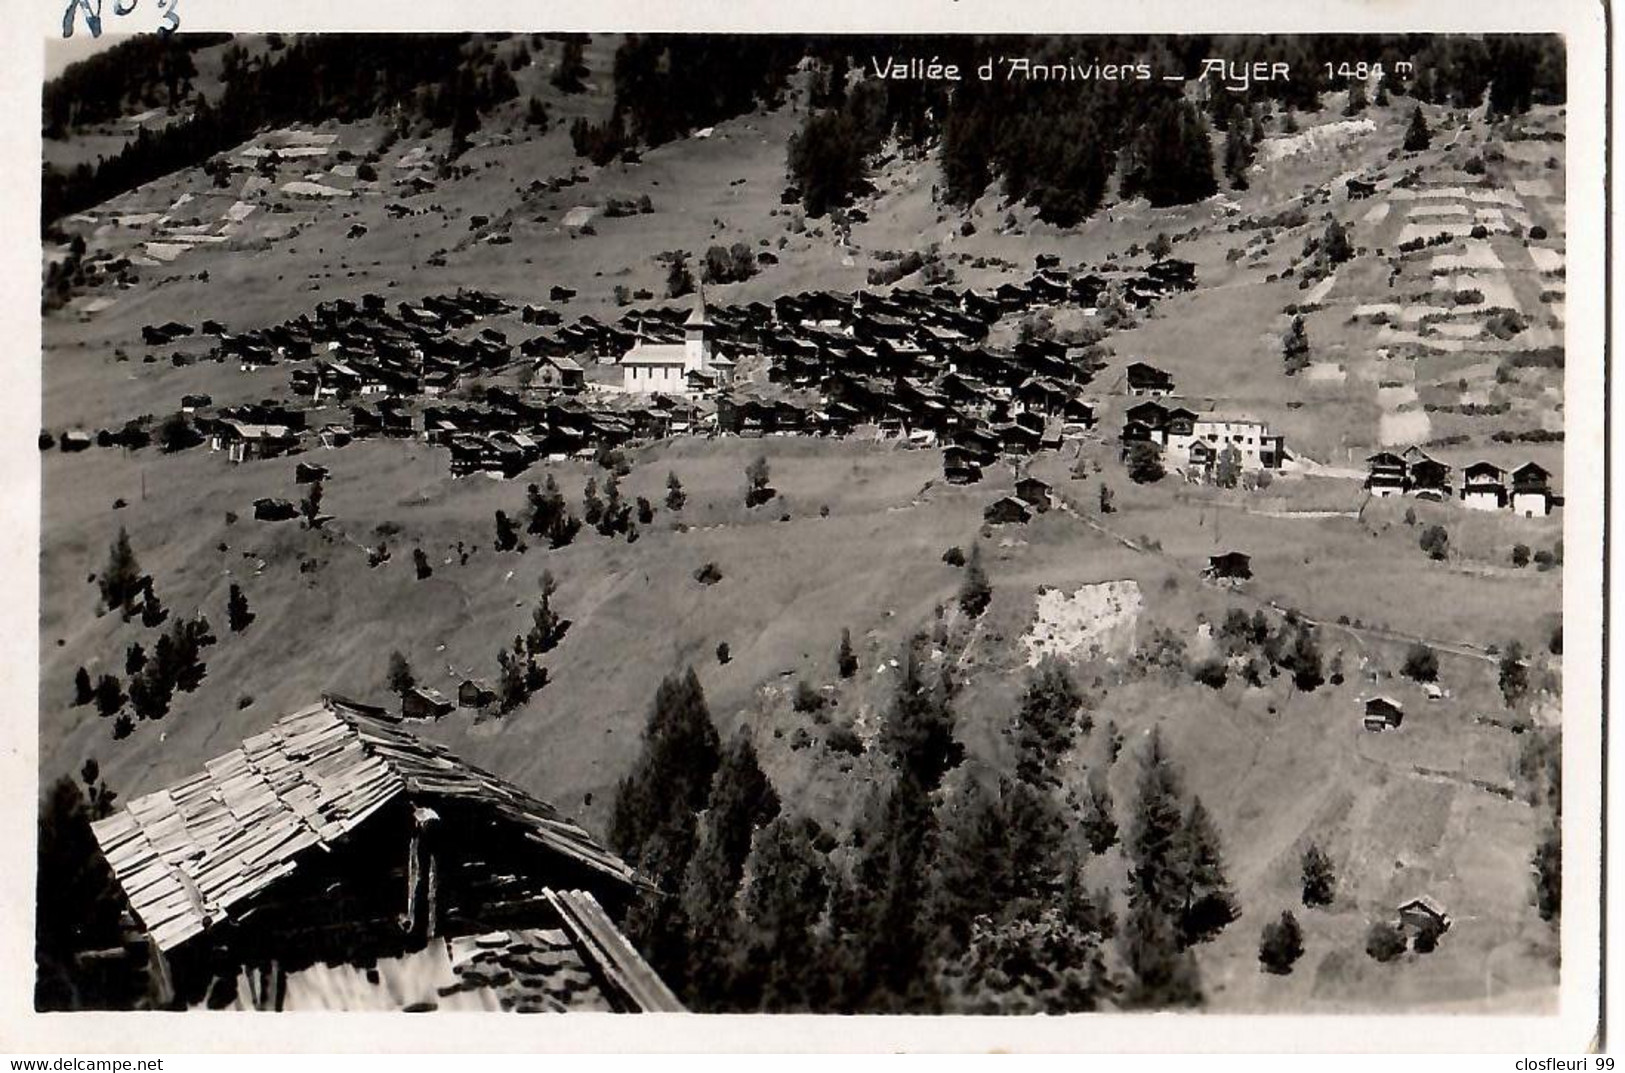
column 856, row 537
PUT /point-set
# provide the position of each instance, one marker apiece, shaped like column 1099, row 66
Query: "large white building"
column 677, row 368
column 1200, row 441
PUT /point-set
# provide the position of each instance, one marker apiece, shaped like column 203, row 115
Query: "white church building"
column 687, row 368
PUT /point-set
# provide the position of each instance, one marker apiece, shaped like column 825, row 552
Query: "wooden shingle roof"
column 187, row 855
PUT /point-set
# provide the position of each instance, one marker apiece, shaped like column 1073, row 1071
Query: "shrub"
column 709, row 574
column 1384, row 942
column 1520, row 555
column 724, row 654
column 842, row 739
column 1421, row 664
column 1145, row 464
column 1212, row 673
column 807, row 699
column 1436, row 542
column 954, row 556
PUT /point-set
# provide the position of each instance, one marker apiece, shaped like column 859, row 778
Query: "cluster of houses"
column 1526, row 490
column 1199, row 444
column 911, row 364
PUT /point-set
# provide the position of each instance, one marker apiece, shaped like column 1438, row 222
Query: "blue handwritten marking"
column 92, row 9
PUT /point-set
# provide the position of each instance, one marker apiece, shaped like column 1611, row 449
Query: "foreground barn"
column 337, row 861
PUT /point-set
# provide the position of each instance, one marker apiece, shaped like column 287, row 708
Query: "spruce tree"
column 1280, row 944
column 1209, row 904
column 788, row 884
column 975, row 593
column 674, row 770
column 135, row 658
column 238, row 616
column 846, row 661
column 675, row 497
column 1417, row 135
column 1046, row 722
column 84, row 691
column 399, row 677
column 121, row 577
column 1319, row 880
column 109, row 696
column 741, row 801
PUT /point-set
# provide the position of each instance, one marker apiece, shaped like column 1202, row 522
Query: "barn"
column 338, row 861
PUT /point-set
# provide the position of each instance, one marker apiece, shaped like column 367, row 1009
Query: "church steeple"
column 696, row 336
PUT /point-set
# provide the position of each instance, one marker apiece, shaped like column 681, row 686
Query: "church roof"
column 656, row 354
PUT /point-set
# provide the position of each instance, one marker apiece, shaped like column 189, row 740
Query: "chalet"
column 1428, row 477
column 75, row 439
column 1423, row 914
column 1148, row 381
column 191, row 404
column 274, row 510
column 1386, row 475
column 422, row 702
column 1042, row 395
column 1531, row 492
column 559, row 372
column 1035, row 493
column 1382, row 713
column 1483, row 487
column 959, row 466
column 475, row 694
column 1006, row 510
column 338, row 854
column 1017, row 438
column 243, row 441
column 1230, row 566
column 308, row 473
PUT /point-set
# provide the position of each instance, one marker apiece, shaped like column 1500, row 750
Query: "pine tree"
column 1047, row 722
column 679, row 279
column 1356, row 100
column 1295, row 347
column 1280, row 944
column 741, row 801
column 975, row 593
column 513, row 683
column 1319, row 880
column 788, row 883
column 121, row 578
column 311, row 505
column 675, row 498
column 1307, row 673
column 918, row 729
column 150, row 693
column 420, row 565
column 592, row 508
column 1162, row 973
column 1097, row 823
column 399, row 676
column 135, row 658
column 846, row 661
column 1209, row 904
column 674, row 770
column 507, row 534
column 238, row 616
column 109, row 696
column 83, row 690
column 1513, row 675
column 1417, row 135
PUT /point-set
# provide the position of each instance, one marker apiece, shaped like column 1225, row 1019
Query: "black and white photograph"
column 928, row 523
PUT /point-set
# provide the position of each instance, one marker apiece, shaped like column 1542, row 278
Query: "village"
column 521, row 567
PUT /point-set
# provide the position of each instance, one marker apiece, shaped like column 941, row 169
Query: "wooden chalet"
column 1531, row 495
column 423, row 702
column 1230, row 566
column 1483, row 487
column 1382, row 713
column 1148, row 381
column 1035, row 493
column 1386, row 474
column 337, row 861
column 1007, row 510
column 1421, row 914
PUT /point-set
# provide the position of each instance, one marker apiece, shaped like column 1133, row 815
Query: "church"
column 691, row 367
